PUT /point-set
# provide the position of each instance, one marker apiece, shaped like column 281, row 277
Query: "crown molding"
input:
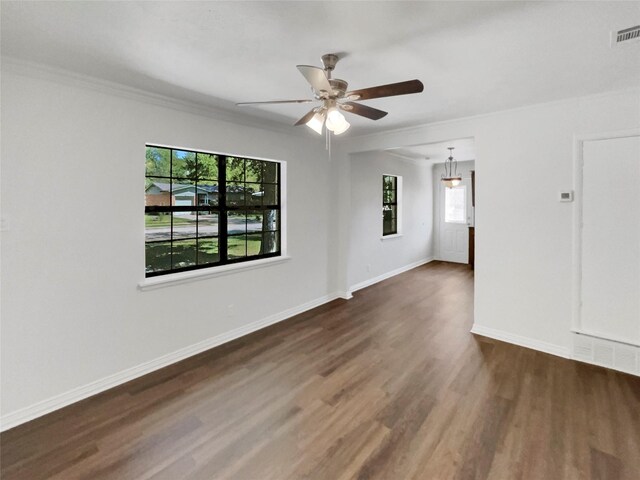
column 404, row 158
column 66, row 77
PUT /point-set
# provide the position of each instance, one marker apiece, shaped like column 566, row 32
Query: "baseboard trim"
column 521, row 341
column 346, row 295
column 57, row 402
column 384, row 276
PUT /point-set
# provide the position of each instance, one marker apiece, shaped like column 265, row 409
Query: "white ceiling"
column 473, row 57
column 464, row 150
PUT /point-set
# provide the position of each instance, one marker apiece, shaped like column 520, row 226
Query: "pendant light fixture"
column 450, row 177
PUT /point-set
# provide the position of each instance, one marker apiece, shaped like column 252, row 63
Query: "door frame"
column 438, row 206
column 578, row 164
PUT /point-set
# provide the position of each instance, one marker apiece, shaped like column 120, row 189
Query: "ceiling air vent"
column 625, row 37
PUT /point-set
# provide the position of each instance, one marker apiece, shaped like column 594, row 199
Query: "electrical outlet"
column 368, row 267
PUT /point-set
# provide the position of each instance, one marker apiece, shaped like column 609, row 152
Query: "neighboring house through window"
column 204, row 209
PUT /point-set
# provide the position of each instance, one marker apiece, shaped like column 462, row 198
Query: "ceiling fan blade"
column 242, row 104
column 402, row 88
column 306, row 118
column 316, row 77
column 363, row 110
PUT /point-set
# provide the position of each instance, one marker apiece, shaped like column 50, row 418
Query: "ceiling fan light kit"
column 316, row 123
column 336, row 122
column 334, row 97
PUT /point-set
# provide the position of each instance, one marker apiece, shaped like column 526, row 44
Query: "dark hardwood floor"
column 389, row 385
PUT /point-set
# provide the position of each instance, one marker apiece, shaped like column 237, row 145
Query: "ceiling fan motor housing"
column 338, row 86
column 329, row 61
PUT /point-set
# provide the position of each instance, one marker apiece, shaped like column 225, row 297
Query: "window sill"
column 395, row 235
column 195, row 275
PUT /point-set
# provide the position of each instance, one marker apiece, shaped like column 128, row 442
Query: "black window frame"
column 391, row 204
column 222, row 209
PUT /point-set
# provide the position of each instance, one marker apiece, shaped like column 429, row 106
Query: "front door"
column 455, row 219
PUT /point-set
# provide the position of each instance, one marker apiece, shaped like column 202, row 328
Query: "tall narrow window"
column 390, row 204
column 205, row 209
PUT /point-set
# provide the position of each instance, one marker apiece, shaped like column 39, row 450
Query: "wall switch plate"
column 566, row 196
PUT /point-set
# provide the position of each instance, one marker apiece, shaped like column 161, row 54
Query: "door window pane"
column 455, row 205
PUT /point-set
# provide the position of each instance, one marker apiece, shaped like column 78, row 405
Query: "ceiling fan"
column 334, row 97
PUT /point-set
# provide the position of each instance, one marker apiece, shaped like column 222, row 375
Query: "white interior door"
column 610, row 250
column 455, row 218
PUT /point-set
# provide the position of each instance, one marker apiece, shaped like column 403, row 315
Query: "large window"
column 205, row 209
column 390, row 204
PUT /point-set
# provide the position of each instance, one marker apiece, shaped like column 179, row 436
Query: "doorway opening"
column 454, row 207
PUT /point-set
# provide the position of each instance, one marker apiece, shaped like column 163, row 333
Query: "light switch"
column 566, row 196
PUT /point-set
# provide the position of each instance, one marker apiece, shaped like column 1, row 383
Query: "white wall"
column 524, row 236
column 369, row 255
column 72, row 196
column 72, row 257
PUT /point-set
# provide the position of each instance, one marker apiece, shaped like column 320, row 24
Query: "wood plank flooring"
column 389, row 385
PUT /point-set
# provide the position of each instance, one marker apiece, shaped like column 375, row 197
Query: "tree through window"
column 204, row 209
column 389, row 205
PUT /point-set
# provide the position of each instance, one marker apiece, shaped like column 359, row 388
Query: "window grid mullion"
column 197, row 204
column 171, row 205
column 222, row 202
